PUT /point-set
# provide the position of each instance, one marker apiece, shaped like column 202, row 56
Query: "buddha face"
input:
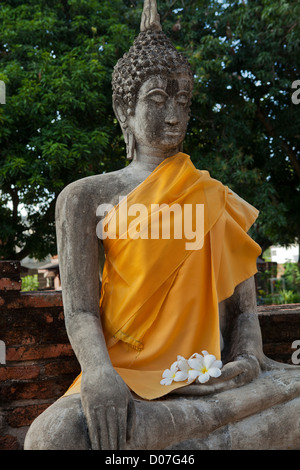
column 161, row 114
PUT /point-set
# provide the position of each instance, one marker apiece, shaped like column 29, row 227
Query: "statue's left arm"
column 243, row 349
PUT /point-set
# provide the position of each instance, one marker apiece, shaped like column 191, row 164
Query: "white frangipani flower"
column 172, row 374
column 205, row 367
column 196, row 367
column 169, row 374
column 187, row 373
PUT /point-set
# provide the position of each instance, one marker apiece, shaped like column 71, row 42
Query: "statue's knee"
column 34, row 440
column 60, row 427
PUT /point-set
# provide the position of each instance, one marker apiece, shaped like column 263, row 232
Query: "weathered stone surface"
column 253, row 399
column 229, row 420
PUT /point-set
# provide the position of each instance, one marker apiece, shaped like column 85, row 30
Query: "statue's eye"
column 182, row 98
column 158, row 96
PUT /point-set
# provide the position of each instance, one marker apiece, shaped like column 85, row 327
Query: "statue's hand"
column 108, row 407
column 240, row 371
column 234, row 374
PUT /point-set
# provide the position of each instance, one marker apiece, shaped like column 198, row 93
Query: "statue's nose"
column 172, row 120
column 172, row 114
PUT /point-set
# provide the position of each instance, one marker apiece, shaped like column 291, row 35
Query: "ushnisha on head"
column 152, row 55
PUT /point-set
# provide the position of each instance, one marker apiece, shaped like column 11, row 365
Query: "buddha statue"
column 165, row 329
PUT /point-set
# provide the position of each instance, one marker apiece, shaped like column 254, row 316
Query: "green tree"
column 292, row 276
column 56, row 58
column 245, row 126
column 57, row 125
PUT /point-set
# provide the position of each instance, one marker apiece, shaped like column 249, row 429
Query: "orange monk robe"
column 158, row 298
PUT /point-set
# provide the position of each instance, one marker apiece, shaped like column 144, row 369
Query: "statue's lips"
column 173, row 133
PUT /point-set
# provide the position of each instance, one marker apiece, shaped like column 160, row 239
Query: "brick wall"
column 280, row 326
column 40, row 364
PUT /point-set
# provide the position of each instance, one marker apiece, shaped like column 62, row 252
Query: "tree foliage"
column 56, row 58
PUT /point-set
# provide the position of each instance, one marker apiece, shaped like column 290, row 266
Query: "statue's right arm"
column 106, row 400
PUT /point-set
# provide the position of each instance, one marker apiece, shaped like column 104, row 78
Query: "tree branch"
column 169, row 11
column 15, row 202
column 290, row 153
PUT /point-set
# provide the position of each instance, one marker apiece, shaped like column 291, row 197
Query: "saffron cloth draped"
column 160, row 293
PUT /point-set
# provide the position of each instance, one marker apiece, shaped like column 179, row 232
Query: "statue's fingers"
column 201, row 390
column 231, row 370
column 107, row 428
column 229, row 378
column 121, row 428
column 94, row 427
column 104, row 428
column 112, row 427
column 131, row 420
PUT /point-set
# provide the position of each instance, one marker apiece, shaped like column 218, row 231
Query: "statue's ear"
column 120, row 112
column 122, row 116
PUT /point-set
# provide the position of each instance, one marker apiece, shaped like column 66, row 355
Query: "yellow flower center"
column 204, row 370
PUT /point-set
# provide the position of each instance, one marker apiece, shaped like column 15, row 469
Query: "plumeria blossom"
column 196, row 367
column 171, row 374
column 205, row 367
column 186, row 370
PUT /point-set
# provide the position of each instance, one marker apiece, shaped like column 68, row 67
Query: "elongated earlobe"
column 130, row 145
column 122, row 114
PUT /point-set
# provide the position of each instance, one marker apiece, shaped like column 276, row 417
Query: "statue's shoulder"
column 96, row 188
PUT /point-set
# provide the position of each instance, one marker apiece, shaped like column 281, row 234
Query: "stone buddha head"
column 152, row 88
